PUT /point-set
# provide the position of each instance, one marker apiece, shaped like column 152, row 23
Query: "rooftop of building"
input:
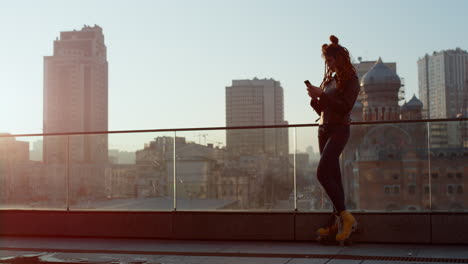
column 457, row 50
column 380, row 74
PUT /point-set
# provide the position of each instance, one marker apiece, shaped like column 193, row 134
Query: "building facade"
column 442, row 83
column 391, row 167
column 76, row 100
column 256, row 103
column 442, row 80
column 76, row 97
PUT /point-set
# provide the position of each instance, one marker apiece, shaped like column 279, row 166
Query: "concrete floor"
column 142, row 251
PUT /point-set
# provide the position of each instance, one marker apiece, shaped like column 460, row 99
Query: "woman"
column 333, row 101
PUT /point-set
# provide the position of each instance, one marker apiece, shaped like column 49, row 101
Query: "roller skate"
column 327, row 234
column 348, row 226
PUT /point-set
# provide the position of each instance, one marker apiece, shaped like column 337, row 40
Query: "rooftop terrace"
column 93, row 250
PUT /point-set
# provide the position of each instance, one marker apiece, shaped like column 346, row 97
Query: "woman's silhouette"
column 333, row 101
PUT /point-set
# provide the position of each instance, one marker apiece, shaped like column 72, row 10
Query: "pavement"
column 146, row 251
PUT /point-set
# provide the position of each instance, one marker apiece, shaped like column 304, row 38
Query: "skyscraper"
column 442, row 78
column 442, row 89
column 76, row 97
column 256, row 103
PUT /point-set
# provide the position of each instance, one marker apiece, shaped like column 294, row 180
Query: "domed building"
column 383, row 146
column 380, row 88
column 412, row 109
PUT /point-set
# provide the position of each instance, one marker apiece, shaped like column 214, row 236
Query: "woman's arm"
column 316, row 105
column 345, row 100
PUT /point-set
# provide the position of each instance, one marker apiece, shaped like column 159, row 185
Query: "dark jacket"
column 335, row 105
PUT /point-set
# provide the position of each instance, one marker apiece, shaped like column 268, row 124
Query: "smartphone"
column 307, row 83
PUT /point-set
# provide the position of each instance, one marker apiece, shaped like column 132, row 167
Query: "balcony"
column 236, row 183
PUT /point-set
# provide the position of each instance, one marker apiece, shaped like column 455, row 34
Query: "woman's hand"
column 314, row 91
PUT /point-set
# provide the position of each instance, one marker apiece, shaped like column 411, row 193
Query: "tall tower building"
column 442, row 89
column 76, row 97
column 442, row 78
column 256, row 103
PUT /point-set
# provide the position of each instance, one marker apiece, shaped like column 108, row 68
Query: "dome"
column 414, row 103
column 380, row 74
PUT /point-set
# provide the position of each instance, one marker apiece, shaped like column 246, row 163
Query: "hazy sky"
column 170, row 61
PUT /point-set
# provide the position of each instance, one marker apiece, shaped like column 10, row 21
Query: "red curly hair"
column 344, row 68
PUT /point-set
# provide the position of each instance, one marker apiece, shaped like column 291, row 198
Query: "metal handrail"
column 232, row 127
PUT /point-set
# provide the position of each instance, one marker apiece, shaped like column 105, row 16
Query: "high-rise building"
column 256, row 103
column 442, row 79
column 76, row 97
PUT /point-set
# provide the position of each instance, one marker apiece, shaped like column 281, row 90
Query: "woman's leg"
column 332, row 143
column 323, row 136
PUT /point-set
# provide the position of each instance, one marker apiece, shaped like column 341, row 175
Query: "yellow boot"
column 331, row 229
column 349, row 225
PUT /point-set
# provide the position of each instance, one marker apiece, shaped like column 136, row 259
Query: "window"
column 387, row 189
column 450, row 175
column 396, row 176
column 459, row 175
column 426, row 189
column 396, row 189
column 412, row 189
column 450, row 189
column 460, row 189
column 434, row 175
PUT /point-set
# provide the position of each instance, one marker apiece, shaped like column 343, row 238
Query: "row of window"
column 451, row 189
column 450, row 175
column 434, row 175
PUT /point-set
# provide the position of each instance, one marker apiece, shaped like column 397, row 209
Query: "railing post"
column 174, row 163
column 294, row 168
column 429, row 163
column 67, row 179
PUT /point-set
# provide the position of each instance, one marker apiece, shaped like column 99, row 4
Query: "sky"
column 170, row 61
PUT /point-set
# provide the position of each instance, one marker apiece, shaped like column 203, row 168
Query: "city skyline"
column 173, row 67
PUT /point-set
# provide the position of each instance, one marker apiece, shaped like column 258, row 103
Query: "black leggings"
column 332, row 140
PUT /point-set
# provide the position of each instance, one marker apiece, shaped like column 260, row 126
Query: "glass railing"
column 402, row 166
